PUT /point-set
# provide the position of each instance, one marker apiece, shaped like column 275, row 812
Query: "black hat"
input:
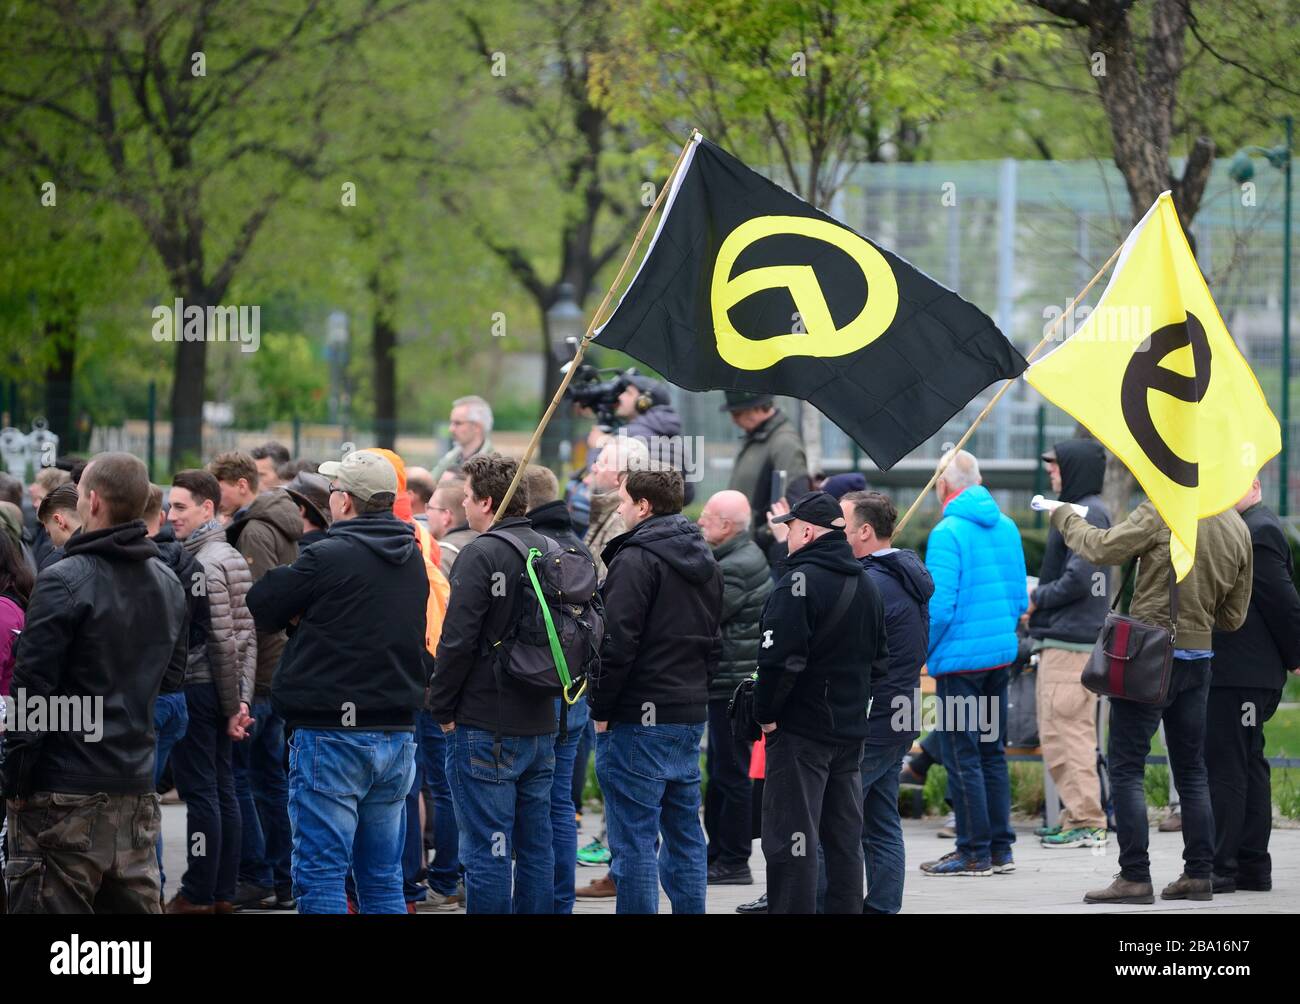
column 817, row 508
column 739, row 400
column 313, row 492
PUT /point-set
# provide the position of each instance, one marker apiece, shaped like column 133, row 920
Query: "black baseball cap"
column 739, row 400
column 817, row 508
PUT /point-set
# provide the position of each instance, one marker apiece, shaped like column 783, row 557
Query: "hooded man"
column 349, row 686
column 1066, row 612
column 663, row 600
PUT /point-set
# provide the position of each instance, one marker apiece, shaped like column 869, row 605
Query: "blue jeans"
column 650, row 775
column 263, row 790
column 1131, row 727
column 171, row 717
column 346, row 792
column 503, row 809
column 978, row 782
column 564, row 827
column 201, row 764
column 882, row 829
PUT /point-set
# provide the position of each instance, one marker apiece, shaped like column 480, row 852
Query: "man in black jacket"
column 905, row 589
column 746, row 583
column 500, row 733
column 1250, row 667
column 1066, row 612
column 349, row 684
column 663, row 601
column 104, row 627
column 822, row 647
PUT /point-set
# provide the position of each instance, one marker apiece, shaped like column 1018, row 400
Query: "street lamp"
column 565, row 326
column 1241, row 170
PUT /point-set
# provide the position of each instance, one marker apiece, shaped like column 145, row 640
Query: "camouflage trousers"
column 73, row 853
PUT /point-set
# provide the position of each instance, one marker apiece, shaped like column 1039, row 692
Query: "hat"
column 840, row 485
column 362, row 474
column 817, row 508
column 739, row 400
column 313, row 492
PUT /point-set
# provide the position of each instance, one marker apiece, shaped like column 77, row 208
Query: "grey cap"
column 363, row 474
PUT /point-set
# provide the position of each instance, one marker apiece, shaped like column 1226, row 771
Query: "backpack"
column 553, row 641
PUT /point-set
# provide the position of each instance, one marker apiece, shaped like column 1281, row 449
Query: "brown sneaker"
column 1172, row 823
column 1122, row 891
column 602, row 888
column 180, row 904
column 1185, row 887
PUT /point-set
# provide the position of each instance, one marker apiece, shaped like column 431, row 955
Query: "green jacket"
column 1216, row 592
column 746, row 582
column 454, row 457
column 773, row 446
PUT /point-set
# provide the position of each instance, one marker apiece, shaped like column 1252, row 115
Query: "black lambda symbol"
column 1144, row 373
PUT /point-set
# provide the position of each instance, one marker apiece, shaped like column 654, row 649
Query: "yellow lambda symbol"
column 822, row 337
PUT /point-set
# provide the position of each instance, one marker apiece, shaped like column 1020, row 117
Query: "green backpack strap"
column 557, row 650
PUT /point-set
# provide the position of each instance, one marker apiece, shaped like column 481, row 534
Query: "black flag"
column 749, row 288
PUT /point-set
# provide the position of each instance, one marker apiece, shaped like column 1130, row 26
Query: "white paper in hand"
column 1040, row 504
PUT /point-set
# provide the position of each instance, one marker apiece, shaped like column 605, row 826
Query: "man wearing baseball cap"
column 822, row 642
column 348, row 686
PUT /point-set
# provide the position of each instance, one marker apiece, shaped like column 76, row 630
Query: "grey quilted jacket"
column 229, row 656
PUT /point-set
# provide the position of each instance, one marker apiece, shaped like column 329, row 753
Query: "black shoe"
column 250, row 896
column 1222, row 885
column 722, row 875
column 1253, row 885
column 284, row 899
column 757, row 906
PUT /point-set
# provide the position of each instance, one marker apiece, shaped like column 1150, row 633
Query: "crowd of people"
column 377, row 688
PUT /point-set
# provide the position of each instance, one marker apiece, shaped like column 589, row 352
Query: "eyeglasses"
column 336, row 488
column 437, row 508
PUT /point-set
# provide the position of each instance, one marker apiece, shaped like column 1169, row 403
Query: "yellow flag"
column 1154, row 375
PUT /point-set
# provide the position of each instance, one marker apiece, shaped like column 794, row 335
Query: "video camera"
column 599, row 390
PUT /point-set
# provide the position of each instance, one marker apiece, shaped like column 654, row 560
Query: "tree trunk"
column 560, row 429
column 383, row 347
column 61, row 329
column 187, row 404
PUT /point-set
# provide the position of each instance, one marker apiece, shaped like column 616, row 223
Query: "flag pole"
column 1051, row 333
column 596, row 320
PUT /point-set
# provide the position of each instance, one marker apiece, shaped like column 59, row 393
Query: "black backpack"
column 555, row 632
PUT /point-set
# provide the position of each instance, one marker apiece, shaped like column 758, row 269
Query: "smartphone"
column 777, row 488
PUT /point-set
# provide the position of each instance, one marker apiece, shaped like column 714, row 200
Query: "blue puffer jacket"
column 977, row 562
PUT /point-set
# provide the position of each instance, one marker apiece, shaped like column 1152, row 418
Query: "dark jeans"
column 266, row 850
column 171, row 717
column 585, row 747
column 443, row 876
column 812, row 800
column 882, row 829
column 201, row 764
column 1240, row 786
column 978, row 781
column 1131, row 727
column 728, row 797
column 503, row 810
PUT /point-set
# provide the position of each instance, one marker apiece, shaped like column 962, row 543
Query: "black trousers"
column 812, row 795
column 727, row 798
column 1240, row 788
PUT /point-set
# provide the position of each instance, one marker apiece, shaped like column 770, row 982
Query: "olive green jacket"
column 1216, row 592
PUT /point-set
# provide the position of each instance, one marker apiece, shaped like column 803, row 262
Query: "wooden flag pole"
column 1051, row 333
column 596, row 321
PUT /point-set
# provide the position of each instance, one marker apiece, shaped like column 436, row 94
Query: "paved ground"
column 1045, row 881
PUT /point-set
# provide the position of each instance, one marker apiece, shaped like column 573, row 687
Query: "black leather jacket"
column 104, row 626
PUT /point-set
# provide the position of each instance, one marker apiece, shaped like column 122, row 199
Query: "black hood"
column 907, row 568
column 675, row 540
column 165, row 535
column 1083, row 468
column 123, row 542
column 830, row 551
column 383, row 533
column 551, row 517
